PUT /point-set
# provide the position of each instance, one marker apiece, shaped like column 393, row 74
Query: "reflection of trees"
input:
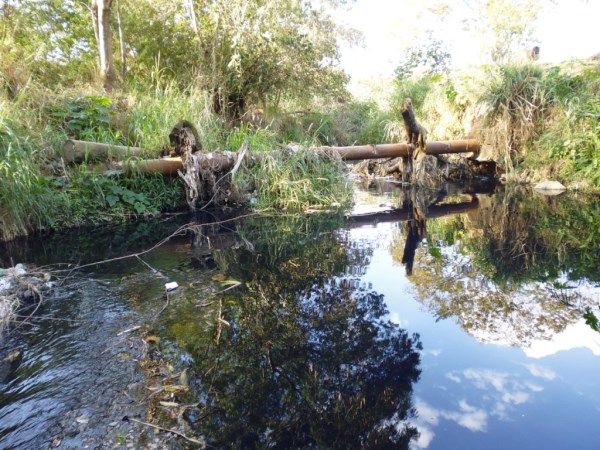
column 308, row 359
column 528, row 237
column 514, row 273
column 450, row 286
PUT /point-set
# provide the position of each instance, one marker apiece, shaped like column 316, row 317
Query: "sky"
column 567, row 30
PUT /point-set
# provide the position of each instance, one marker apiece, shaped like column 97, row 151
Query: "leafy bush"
column 87, row 119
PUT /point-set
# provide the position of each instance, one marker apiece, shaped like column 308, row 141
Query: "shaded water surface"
column 426, row 320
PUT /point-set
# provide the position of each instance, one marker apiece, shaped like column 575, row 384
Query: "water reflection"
column 301, row 350
column 515, row 270
column 302, row 355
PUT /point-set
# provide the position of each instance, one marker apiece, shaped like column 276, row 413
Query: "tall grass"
column 26, row 200
column 350, row 123
column 517, row 103
column 298, row 180
column 569, row 148
column 535, row 121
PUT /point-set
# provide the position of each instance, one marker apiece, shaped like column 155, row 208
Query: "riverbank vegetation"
column 536, row 121
column 240, row 73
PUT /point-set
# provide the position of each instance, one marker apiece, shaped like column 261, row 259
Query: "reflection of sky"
column 485, row 396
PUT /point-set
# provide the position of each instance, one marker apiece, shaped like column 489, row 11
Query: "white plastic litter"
column 171, row 286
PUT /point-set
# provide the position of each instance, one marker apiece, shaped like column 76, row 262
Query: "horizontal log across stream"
column 77, row 151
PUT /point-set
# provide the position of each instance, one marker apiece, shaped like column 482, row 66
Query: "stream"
column 461, row 319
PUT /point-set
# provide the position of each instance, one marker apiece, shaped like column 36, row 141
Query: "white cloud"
column 515, row 397
column 467, row 416
column 426, row 435
column 472, row 418
column 482, row 378
column 534, row 387
column 577, row 335
column 453, row 377
column 541, row 372
column 427, row 412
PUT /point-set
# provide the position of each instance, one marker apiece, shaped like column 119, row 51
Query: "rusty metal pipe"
column 359, row 152
column 220, row 160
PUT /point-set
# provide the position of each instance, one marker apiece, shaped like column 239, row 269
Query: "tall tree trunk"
column 194, row 22
column 121, row 43
column 101, row 15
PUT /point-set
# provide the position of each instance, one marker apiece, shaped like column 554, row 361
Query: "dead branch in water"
column 181, row 230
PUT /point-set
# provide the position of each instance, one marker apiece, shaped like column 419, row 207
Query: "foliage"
column 259, row 140
column 592, row 320
column 295, row 43
column 525, row 264
column 47, row 42
column 529, row 238
column 572, row 143
column 538, row 122
column 430, row 59
column 149, row 116
column 347, row 123
column 517, row 101
column 25, row 198
column 33, row 200
column 87, row 119
column 504, row 27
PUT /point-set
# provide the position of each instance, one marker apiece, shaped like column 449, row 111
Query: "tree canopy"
column 242, row 52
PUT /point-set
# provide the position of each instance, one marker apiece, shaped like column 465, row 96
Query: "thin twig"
column 164, row 307
column 155, row 271
column 129, row 330
column 57, row 319
column 226, row 289
column 168, row 430
column 39, row 303
column 182, row 229
column 203, row 305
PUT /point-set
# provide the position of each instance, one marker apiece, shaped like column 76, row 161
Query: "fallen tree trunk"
column 215, row 161
column 79, row 151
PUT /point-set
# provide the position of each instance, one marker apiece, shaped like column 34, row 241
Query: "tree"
column 45, row 41
column 262, row 51
column 505, row 27
column 101, row 14
column 431, row 58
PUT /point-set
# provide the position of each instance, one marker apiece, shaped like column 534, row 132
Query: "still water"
column 452, row 320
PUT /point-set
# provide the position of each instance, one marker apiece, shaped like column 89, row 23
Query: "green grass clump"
column 26, row 199
column 150, row 116
column 569, row 147
column 300, row 180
